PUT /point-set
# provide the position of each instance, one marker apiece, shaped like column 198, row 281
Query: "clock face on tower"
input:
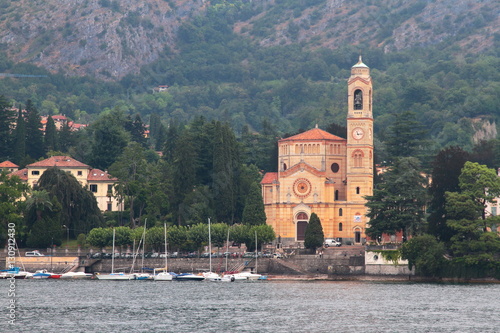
column 358, row 133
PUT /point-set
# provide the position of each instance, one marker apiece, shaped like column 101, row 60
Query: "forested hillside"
column 259, row 65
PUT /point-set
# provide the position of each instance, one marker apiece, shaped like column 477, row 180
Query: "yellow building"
column 321, row 173
column 99, row 182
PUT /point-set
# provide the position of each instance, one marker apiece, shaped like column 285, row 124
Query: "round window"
column 335, row 167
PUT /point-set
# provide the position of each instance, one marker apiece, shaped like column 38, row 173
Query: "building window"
column 110, row 207
column 358, row 190
column 110, row 188
column 80, row 173
column 335, row 167
column 494, row 211
column 337, row 195
column 93, row 188
column 340, row 212
column 340, row 226
column 35, row 172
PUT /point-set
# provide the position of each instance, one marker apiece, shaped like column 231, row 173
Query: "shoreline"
column 379, row 278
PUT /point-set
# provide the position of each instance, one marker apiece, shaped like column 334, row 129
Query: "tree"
column 397, row 204
column 265, row 234
column 79, row 209
column 6, row 119
column 481, row 184
column 34, row 134
column 424, row 253
column 109, row 139
column 100, row 237
column 406, row 136
column 314, row 236
column 198, row 235
column 50, row 138
column 254, row 213
column 226, row 164
column 12, row 192
column 45, row 229
column 447, row 167
column 20, row 138
column 133, row 177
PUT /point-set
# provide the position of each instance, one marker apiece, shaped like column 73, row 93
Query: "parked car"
column 331, row 242
column 34, row 254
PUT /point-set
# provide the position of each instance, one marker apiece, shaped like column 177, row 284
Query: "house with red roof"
column 99, row 182
column 9, row 166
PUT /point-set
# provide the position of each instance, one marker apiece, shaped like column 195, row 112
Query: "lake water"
column 260, row 306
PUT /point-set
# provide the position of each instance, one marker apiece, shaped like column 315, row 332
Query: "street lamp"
column 67, row 235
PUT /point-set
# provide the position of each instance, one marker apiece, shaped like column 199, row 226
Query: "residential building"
column 99, row 182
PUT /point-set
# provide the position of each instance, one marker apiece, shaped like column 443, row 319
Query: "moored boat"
column 188, row 277
column 76, row 275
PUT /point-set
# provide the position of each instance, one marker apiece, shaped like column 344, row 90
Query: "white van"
column 34, row 254
column 331, row 242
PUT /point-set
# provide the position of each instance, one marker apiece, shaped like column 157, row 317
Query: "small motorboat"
column 188, row 277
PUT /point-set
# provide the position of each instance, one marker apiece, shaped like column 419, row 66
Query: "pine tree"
column 50, row 135
column 20, row 138
column 34, row 134
column 6, row 119
column 314, row 236
column 254, row 213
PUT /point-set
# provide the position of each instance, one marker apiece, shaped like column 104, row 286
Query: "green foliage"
column 81, row 240
column 424, row 253
column 12, row 191
column 314, row 236
column 79, row 210
column 398, row 202
column 253, row 213
column 100, row 237
column 46, row 230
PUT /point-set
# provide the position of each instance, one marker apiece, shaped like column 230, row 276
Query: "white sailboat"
column 210, row 276
column 165, row 275
column 113, row 275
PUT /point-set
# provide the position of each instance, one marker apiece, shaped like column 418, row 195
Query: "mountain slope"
column 111, row 38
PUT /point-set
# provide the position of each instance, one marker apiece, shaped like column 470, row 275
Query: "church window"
column 335, row 167
column 336, row 194
column 341, row 212
column 358, row 190
column 284, row 167
column 340, row 226
column 358, row 100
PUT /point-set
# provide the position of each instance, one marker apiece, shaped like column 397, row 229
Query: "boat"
column 188, row 277
column 42, row 274
column 164, row 276
column 14, row 272
column 210, row 276
column 113, row 275
column 76, row 275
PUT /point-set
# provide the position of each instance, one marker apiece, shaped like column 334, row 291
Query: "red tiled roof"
column 8, row 164
column 269, row 178
column 314, row 134
column 59, row 161
column 59, row 117
column 96, row 175
column 23, row 174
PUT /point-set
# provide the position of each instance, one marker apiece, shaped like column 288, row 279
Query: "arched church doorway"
column 301, row 222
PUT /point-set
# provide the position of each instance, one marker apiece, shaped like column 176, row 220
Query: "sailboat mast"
column 166, row 251
column 113, row 254
column 227, row 246
column 209, row 244
column 256, row 251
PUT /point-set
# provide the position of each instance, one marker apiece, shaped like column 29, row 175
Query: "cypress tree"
column 314, row 236
column 50, row 135
column 6, row 119
column 20, row 138
column 254, row 213
column 34, row 134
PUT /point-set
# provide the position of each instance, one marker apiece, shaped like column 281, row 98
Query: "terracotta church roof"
column 269, row 178
column 314, row 134
column 59, row 161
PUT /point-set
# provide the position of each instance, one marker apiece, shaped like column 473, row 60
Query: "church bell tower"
column 359, row 178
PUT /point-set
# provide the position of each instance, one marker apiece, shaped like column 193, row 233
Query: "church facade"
column 321, row 173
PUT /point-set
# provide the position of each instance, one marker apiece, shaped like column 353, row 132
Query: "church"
column 322, row 173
